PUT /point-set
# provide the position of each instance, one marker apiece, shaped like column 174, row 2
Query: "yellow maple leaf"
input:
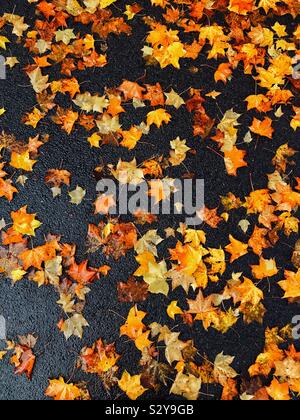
column 144, row 260
column 22, row 161
column 278, row 391
column 142, row 341
column 268, row 4
column 128, row 173
column 94, row 140
column 3, row 42
column 131, row 138
column 131, row 385
column 106, row 3
column 17, row 275
column 156, row 278
column 134, row 326
column 246, row 292
column 266, row 268
column 61, row 391
column 173, row 309
column 24, row 223
column 187, row 386
column 158, row 117
column 291, row 284
column 170, row 55
column 34, row 118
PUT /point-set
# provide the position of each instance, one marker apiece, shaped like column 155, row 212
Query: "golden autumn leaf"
column 131, row 138
column 278, row 391
column 291, row 284
column 61, row 391
column 246, row 292
column 263, row 128
column 223, row 369
column 106, row 3
column 236, row 248
column 234, row 160
column 24, row 222
column 38, row 81
column 22, row 161
column 131, row 385
column 173, row 309
column 158, row 117
column 223, row 73
column 187, row 386
column 266, row 268
column 134, row 328
column 7, row 190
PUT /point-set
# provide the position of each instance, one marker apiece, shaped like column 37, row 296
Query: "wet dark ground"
column 29, row 309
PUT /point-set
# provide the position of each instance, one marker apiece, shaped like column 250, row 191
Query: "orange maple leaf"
column 131, row 138
column 234, row 160
column 7, row 190
column 223, row 73
column 81, row 273
column 263, row 128
column 61, row 391
column 236, row 248
column 266, row 268
column 37, row 256
column 279, row 391
column 132, row 90
column 24, row 222
column 158, row 117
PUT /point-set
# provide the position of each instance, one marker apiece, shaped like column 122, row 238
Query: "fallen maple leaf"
column 291, row 284
column 22, row 161
column 263, row 128
column 236, row 248
column 74, row 326
column 234, row 160
column 266, row 268
column 131, row 385
column 158, row 117
column 81, row 273
column 132, row 90
column 223, row 73
column 7, row 190
column 100, row 358
column 222, row 369
column 131, row 138
column 24, row 223
column 61, row 391
column 38, row 81
column 187, row 386
column 278, row 391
